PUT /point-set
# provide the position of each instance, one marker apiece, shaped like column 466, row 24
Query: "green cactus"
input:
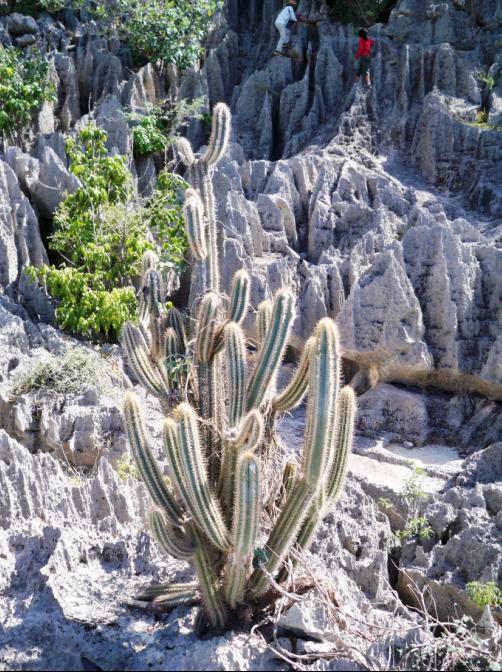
column 219, row 435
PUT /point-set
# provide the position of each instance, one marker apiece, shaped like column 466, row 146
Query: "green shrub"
column 163, row 215
column 70, row 373
column 126, row 468
column 101, row 243
column 486, row 79
column 483, row 594
column 155, row 128
column 148, row 136
column 170, row 31
column 101, row 233
column 23, row 89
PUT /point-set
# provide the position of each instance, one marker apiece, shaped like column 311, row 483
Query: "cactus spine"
column 219, row 433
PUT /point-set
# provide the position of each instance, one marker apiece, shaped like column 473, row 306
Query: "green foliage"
column 70, row 373
column 413, row 492
column 163, row 216
column 170, row 31
column 148, row 136
column 23, row 89
column 156, row 128
column 413, row 495
column 416, row 527
column 486, row 79
column 483, row 594
column 364, row 12
column 126, row 467
column 481, row 117
column 102, row 244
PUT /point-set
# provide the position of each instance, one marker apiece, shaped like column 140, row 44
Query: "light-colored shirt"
column 286, row 15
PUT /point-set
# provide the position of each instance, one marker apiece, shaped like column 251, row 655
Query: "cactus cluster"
column 226, row 507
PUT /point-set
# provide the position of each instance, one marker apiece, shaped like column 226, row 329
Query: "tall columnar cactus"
column 225, row 492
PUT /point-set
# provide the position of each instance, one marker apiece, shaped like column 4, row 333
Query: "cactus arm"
column 171, row 356
column 203, row 566
column 247, row 439
column 174, row 319
column 171, row 540
column 239, row 296
column 324, row 378
column 221, row 128
column 283, row 534
column 273, row 349
column 168, row 589
column 140, row 362
column 185, row 152
column 193, row 212
column 235, row 348
column 146, row 464
column 346, row 414
column 289, row 476
column 294, row 393
column 202, row 182
column 245, row 527
column 202, row 503
column 263, row 319
column 207, row 327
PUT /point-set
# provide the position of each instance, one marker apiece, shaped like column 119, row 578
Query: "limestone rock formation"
column 379, row 208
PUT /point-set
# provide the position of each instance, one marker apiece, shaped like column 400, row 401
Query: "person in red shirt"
column 364, row 56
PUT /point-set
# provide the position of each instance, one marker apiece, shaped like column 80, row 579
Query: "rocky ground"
column 382, row 209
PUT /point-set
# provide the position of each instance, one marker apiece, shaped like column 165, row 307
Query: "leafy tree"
column 170, row 31
column 23, row 89
column 101, row 232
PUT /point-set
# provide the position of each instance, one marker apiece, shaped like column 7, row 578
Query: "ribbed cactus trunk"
column 219, row 433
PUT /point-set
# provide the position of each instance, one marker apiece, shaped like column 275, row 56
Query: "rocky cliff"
column 381, row 209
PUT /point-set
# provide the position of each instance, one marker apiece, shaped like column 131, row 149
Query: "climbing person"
column 363, row 55
column 286, row 16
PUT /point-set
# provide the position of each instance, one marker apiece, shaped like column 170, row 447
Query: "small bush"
column 99, row 239
column 486, row 79
column 148, row 136
column 169, row 31
column 155, row 128
column 23, row 89
column 483, row 594
column 126, row 467
column 73, row 372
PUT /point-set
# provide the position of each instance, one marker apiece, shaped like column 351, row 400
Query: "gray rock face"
column 47, row 180
column 19, row 24
column 20, row 241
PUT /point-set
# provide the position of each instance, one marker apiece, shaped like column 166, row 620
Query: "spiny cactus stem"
column 221, row 125
column 146, row 464
column 294, row 393
column 273, row 349
column 203, row 566
column 202, row 503
column 141, row 363
column 171, row 540
column 263, row 319
column 344, row 431
column 195, row 226
column 283, row 534
column 321, row 408
column 239, row 297
column 245, row 527
column 235, row 348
